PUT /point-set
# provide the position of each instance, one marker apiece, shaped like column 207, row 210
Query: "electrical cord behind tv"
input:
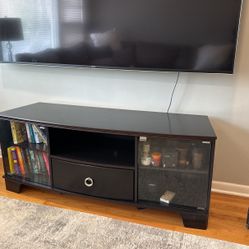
column 173, row 91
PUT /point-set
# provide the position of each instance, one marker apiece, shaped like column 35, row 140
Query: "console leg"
column 13, row 186
column 199, row 221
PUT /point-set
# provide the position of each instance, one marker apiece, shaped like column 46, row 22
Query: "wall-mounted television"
column 169, row 35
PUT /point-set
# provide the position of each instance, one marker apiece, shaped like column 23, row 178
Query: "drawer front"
column 92, row 180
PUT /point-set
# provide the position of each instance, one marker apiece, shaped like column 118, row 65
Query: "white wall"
column 225, row 98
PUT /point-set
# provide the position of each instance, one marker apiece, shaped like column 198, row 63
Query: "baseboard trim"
column 230, row 188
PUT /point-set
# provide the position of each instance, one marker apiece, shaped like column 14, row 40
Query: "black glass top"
column 114, row 120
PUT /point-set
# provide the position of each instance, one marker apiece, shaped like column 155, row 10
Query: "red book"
column 20, row 160
column 45, row 158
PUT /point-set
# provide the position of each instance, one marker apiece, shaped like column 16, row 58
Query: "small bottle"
column 197, row 158
column 146, row 160
column 156, row 159
column 145, row 157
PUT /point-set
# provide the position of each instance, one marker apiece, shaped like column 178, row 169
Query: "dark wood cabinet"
column 149, row 159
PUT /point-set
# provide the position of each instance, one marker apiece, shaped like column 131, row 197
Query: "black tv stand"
column 144, row 158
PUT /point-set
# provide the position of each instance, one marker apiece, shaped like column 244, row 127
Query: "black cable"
column 173, row 91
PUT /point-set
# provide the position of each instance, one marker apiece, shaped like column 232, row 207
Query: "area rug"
column 25, row 225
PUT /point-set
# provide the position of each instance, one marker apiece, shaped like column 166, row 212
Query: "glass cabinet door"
column 25, row 152
column 174, row 171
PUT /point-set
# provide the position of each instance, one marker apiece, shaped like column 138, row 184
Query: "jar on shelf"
column 146, row 160
column 145, row 154
column 169, row 158
column 183, row 159
column 156, row 158
column 197, row 158
column 146, row 148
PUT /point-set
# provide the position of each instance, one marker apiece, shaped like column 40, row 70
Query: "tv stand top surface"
column 114, row 120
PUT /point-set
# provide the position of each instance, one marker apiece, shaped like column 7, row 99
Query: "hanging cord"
column 173, row 91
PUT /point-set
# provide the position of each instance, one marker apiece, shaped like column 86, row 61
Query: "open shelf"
column 93, row 163
column 93, row 148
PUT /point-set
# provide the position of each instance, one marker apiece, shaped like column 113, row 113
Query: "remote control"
column 167, row 197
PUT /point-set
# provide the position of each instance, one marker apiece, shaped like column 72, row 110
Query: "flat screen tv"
column 169, row 35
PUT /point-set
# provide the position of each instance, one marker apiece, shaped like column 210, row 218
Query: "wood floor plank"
column 226, row 222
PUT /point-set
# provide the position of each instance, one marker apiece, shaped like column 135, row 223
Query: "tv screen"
column 170, row 35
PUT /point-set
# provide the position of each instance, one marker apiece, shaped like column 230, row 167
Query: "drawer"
column 92, row 180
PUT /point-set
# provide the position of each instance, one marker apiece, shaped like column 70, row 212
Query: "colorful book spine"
column 42, row 137
column 11, row 163
column 25, row 161
column 33, row 162
column 29, row 163
column 45, row 158
column 36, row 134
column 42, row 163
column 15, row 160
column 17, row 132
column 13, row 131
column 24, row 132
column 28, row 132
column 38, row 163
column 32, row 136
column 20, row 160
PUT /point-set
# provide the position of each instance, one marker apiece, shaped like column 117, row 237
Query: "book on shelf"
column 38, row 130
column 32, row 133
column 25, row 161
column 43, row 163
column 28, row 132
column 18, row 131
column 45, row 158
column 34, row 164
column 20, row 160
column 13, row 161
column 36, row 134
column 28, row 159
column 28, row 163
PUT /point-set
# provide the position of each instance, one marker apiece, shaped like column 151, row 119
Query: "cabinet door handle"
column 88, row 182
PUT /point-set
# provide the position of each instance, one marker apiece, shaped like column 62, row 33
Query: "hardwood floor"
column 226, row 222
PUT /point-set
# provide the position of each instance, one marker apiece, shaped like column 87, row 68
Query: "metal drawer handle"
column 88, row 182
